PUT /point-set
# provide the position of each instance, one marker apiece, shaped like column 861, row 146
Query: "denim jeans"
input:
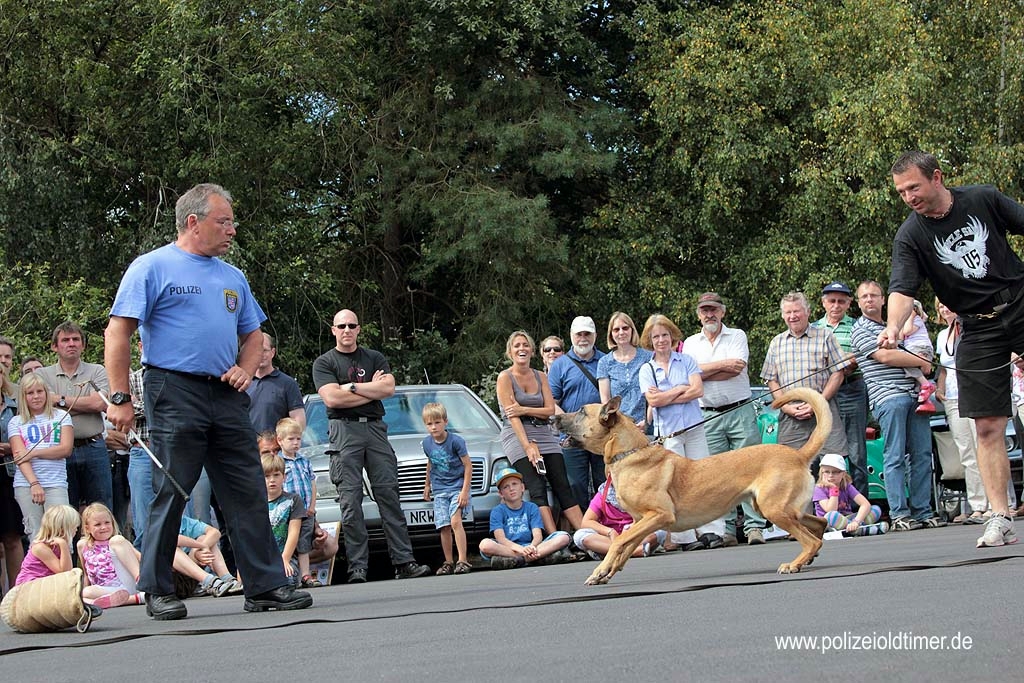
column 140, row 483
column 908, row 443
column 853, row 408
column 89, row 476
column 586, row 473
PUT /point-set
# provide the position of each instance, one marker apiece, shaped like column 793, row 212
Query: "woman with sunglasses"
column 617, row 371
column 550, row 349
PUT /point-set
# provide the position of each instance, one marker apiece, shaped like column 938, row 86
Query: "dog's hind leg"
column 806, row 529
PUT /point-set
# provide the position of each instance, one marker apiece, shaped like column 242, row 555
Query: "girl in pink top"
column 111, row 563
column 50, row 552
column 604, row 520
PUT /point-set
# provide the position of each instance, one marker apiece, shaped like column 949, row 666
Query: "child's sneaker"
column 926, row 392
column 115, row 599
column 215, row 588
column 507, row 562
column 999, row 531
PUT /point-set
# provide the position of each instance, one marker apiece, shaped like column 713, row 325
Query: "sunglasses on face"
column 549, row 349
column 344, row 326
column 622, row 329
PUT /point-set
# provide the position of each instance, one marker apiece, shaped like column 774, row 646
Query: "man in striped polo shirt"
column 892, row 397
column 852, row 396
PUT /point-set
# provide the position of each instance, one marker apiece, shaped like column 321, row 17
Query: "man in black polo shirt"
column 956, row 238
column 352, row 381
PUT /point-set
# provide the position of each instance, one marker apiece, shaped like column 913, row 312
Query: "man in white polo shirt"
column 731, row 422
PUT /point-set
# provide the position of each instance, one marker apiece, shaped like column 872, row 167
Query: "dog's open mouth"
column 570, row 442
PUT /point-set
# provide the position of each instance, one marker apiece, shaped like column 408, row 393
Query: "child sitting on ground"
column 604, row 520
column 917, row 341
column 286, row 514
column 299, row 479
column 835, row 497
column 198, row 542
column 110, row 561
column 50, row 551
column 449, row 474
column 517, row 529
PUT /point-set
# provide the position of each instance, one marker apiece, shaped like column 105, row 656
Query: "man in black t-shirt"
column 352, row 382
column 956, row 238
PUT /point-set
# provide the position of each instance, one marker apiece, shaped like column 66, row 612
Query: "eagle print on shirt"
column 965, row 249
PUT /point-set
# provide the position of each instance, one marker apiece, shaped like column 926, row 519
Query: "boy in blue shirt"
column 449, row 473
column 199, row 550
column 517, row 529
column 286, row 514
column 299, row 479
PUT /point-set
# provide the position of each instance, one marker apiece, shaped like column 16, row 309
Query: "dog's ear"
column 610, row 408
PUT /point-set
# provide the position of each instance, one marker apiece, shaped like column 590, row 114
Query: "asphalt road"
column 911, row 606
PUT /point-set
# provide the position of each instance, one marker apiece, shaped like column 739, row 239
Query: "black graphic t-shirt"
column 335, row 367
column 965, row 255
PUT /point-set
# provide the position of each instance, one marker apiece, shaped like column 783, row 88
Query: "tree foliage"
column 456, row 169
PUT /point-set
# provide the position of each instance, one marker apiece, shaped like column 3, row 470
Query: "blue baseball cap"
column 836, row 288
column 504, row 473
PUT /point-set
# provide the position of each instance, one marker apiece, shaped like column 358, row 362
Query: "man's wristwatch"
column 63, row 402
column 120, row 398
column 352, row 387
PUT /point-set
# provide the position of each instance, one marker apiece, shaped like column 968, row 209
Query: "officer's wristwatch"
column 120, row 398
column 62, row 403
column 352, row 387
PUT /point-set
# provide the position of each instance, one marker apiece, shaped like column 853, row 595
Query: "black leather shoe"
column 411, row 570
column 165, row 607
column 357, row 576
column 282, row 598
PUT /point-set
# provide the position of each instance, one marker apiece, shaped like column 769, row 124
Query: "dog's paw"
column 597, row 578
column 788, row 568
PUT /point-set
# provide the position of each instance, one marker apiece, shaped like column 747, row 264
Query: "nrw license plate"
column 425, row 516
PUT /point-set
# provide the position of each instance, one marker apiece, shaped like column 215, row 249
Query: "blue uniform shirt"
column 191, row 310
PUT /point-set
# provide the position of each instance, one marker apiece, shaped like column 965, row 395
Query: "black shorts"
column 305, row 544
column 985, row 346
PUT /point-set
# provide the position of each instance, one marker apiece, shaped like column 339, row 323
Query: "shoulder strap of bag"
column 593, row 380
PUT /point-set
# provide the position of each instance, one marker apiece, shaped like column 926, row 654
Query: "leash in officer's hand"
column 134, row 436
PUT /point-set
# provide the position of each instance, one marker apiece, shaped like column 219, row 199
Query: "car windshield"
column 404, row 414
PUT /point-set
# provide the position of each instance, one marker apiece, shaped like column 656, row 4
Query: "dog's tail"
column 821, row 412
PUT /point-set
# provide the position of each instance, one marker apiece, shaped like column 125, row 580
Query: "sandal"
column 446, row 569
column 309, row 581
column 463, row 567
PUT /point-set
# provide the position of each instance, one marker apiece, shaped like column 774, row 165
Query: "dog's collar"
column 625, row 454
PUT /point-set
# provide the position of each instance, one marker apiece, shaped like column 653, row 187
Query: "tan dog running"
column 662, row 490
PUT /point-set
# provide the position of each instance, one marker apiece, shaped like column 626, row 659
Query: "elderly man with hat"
column 722, row 354
column 852, row 397
column 573, row 380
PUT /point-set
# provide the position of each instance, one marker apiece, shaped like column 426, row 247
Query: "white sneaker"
column 998, row 531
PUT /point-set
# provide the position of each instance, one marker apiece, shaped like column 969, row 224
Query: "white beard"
column 712, row 328
column 582, row 350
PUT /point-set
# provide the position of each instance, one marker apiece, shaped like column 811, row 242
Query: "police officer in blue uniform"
column 193, row 311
